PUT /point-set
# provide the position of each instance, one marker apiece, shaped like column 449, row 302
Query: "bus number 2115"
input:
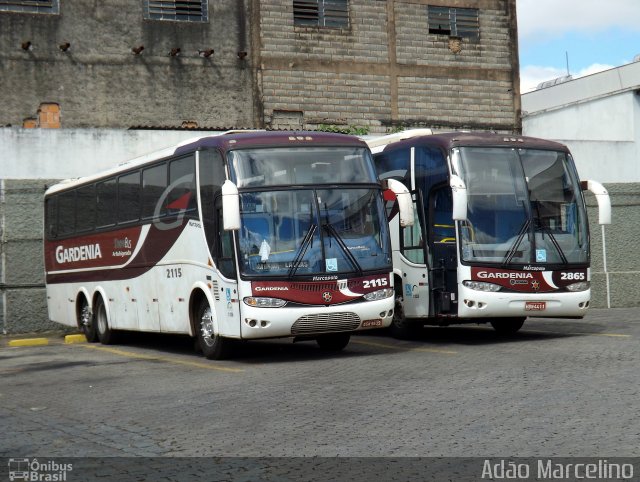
column 372, row 283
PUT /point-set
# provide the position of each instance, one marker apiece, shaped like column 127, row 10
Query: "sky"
column 595, row 35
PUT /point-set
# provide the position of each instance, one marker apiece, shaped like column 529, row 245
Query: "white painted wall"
column 597, row 117
column 69, row 153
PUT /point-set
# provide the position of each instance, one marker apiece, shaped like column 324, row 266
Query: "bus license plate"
column 535, row 305
column 371, row 323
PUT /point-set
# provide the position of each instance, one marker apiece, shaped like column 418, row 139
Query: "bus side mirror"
column 459, row 198
column 405, row 202
column 602, row 196
column 230, row 206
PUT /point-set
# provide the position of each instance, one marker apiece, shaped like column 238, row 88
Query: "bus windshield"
column 313, row 231
column 286, row 166
column 524, row 206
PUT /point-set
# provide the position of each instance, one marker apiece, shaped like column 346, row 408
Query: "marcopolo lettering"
column 78, row 253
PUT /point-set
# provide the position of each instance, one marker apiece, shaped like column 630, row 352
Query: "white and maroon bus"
column 238, row 236
column 501, row 229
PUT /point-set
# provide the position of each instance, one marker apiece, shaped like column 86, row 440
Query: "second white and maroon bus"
column 230, row 237
column 501, row 229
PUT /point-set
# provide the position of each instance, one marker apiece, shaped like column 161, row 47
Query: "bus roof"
column 448, row 140
column 224, row 141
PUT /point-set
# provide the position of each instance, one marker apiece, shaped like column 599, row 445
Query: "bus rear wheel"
column 507, row 326
column 86, row 322
column 333, row 342
column 213, row 346
column 101, row 322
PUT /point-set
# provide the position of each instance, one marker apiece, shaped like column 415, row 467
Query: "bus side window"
column 154, row 183
column 51, row 217
column 129, row 197
column 86, row 208
column 182, row 179
column 67, row 214
column 443, row 229
column 412, row 243
column 106, row 203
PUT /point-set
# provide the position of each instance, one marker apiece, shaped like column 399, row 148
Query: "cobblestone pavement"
column 559, row 388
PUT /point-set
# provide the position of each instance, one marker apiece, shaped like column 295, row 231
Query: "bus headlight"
column 263, row 302
column 481, row 286
column 379, row 295
column 579, row 286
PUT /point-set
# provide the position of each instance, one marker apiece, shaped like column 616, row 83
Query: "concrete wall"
column 385, row 69
column 24, row 307
column 381, row 71
column 99, row 82
column 618, row 287
column 68, row 153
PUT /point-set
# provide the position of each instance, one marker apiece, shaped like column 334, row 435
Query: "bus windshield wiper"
column 514, row 247
column 306, row 241
column 332, row 232
column 554, row 241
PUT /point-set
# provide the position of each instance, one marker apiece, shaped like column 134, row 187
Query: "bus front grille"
column 324, row 323
column 334, row 286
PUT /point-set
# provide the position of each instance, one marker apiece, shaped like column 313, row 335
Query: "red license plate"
column 535, row 305
column 371, row 323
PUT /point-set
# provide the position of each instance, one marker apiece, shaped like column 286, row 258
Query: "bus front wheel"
column 213, row 346
column 333, row 342
column 400, row 327
column 507, row 326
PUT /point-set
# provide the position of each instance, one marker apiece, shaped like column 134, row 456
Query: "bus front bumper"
column 309, row 321
column 480, row 304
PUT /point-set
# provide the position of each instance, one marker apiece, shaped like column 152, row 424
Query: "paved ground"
column 565, row 388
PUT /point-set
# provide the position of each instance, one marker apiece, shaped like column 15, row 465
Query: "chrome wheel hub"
column 85, row 316
column 206, row 327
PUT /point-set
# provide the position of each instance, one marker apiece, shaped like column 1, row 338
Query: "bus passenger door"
column 415, row 280
column 444, row 256
column 225, row 291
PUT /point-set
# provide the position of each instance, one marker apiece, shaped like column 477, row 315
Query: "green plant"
column 351, row 130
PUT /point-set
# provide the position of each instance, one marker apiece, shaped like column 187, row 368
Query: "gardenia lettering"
column 485, row 275
column 78, row 253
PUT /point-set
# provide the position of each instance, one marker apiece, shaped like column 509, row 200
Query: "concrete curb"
column 29, row 342
column 80, row 338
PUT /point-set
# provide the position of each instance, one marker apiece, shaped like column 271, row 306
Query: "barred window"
column 30, row 6
column 321, row 13
column 456, row 22
column 177, row 10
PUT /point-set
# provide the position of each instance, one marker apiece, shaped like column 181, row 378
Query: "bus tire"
column 334, row 342
column 101, row 321
column 213, row 346
column 400, row 327
column 507, row 326
column 87, row 322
